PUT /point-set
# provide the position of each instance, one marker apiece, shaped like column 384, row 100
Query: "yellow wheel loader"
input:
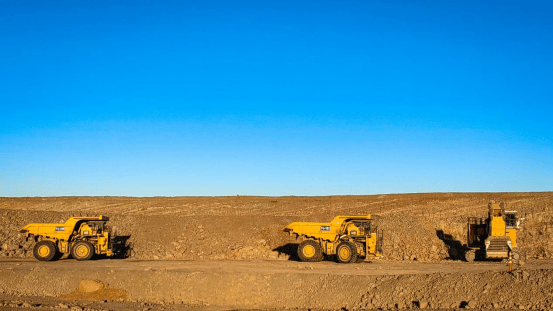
column 349, row 238
column 494, row 237
column 82, row 237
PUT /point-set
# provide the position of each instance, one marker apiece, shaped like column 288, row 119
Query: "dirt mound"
column 94, row 290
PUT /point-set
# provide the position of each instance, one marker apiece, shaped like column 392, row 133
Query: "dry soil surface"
column 230, row 252
column 267, row 284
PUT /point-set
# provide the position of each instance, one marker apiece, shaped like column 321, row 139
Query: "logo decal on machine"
column 325, row 228
column 60, row 228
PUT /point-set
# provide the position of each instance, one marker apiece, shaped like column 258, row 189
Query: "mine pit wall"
column 251, row 227
column 523, row 289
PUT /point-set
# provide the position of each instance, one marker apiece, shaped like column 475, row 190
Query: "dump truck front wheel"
column 82, row 250
column 346, row 252
column 310, row 251
column 45, row 250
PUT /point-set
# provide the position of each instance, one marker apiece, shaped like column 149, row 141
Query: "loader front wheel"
column 346, row 252
column 82, row 250
column 310, row 251
column 45, row 250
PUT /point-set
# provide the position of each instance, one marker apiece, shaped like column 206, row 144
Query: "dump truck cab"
column 347, row 237
column 81, row 236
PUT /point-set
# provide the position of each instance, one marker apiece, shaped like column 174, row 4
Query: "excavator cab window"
column 510, row 219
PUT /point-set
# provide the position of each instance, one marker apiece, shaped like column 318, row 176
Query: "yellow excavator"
column 494, row 237
column 350, row 238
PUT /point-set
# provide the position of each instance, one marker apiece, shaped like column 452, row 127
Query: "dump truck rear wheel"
column 82, row 250
column 346, row 252
column 310, row 251
column 321, row 257
column 45, row 250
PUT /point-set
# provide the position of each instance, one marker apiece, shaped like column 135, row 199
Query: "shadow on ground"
column 455, row 248
column 290, row 249
column 121, row 247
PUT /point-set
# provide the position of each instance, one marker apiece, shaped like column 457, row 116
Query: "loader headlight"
column 353, row 232
column 510, row 244
column 487, row 244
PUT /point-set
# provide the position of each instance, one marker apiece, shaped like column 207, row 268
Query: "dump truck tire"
column 346, row 252
column 45, row 250
column 310, row 251
column 82, row 250
column 322, row 257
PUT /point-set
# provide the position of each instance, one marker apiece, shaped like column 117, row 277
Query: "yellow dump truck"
column 494, row 237
column 349, row 238
column 81, row 236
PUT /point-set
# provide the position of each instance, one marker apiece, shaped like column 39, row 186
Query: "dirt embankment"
column 230, row 252
column 422, row 227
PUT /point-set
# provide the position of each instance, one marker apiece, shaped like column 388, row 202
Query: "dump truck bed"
column 322, row 230
column 60, row 231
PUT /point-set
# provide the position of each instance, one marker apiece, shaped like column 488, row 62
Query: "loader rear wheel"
column 82, row 250
column 346, row 252
column 310, row 251
column 45, row 250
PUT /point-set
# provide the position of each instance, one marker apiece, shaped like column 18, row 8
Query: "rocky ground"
column 268, row 285
column 420, row 229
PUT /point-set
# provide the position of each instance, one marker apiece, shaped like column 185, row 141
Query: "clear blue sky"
column 170, row 98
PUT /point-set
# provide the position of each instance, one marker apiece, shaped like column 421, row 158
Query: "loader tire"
column 346, row 252
column 82, row 250
column 45, row 251
column 310, row 251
